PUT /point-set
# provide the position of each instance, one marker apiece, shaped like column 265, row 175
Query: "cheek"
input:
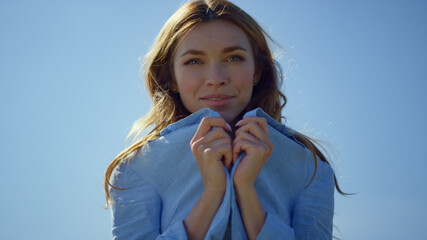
column 244, row 80
column 187, row 83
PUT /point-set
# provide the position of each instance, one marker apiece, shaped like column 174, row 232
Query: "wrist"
column 251, row 210
column 244, row 186
column 244, row 191
column 213, row 195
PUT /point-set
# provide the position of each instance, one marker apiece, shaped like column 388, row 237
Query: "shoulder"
column 123, row 176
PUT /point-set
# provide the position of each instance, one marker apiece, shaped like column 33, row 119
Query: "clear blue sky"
column 356, row 77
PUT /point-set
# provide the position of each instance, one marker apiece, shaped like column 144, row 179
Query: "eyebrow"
column 225, row 50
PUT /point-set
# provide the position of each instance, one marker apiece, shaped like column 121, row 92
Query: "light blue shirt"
column 164, row 183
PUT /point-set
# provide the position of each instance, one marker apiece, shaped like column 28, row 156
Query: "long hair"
column 159, row 79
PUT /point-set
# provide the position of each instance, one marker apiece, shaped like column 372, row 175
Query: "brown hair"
column 158, row 72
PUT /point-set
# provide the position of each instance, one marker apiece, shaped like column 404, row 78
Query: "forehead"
column 215, row 34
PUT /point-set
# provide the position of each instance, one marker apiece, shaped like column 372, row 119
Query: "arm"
column 198, row 221
column 136, row 210
column 251, row 210
column 313, row 211
column 251, row 137
column 211, row 147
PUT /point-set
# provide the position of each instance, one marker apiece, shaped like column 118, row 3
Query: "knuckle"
column 262, row 147
column 204, row 121
column 218, row 131
column 207, row 120
column 201, row 148
column 193, row 141
column 196, row 146
column 237, row 132
column 266, row 148
column 209, row 153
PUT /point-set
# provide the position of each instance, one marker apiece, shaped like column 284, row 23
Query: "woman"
column 217, row 163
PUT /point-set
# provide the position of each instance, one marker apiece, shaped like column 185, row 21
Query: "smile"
column 214, row 99
column 217, row 100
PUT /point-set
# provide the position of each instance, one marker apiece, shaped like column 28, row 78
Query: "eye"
column 192, row 61
column 235, row 58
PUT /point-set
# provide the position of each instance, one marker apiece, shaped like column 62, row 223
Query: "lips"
column 217, row 100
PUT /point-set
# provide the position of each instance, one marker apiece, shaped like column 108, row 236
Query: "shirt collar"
column 197, row 117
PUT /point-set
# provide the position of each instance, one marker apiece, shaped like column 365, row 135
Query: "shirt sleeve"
column 312, row 214
column 136, row 210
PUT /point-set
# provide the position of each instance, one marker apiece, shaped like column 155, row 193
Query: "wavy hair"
column 160, row 84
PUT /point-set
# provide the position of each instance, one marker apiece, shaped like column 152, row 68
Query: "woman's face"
column 214, row 68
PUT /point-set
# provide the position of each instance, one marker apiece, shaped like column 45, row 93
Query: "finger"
column 255, row 129
column 219, row 149
column 262, row 122
column 260, row 149
column 207, row 124
column 228, row 158
column 224, row 147
column 213, row 135
column 251, row 145
column 236, row 151
column 218, row 142
column 239, row 146
column 247, row 137
column 217, row 152
column 209, row 139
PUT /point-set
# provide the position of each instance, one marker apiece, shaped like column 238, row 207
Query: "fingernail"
column 238, row 123
column 229, row 127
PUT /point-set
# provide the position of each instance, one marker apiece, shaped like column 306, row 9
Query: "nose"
column 216, row 75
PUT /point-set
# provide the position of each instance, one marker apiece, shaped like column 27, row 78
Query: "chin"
column 229, row 118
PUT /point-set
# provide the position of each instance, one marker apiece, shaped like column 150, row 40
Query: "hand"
column 211, row 146
column 251, row 137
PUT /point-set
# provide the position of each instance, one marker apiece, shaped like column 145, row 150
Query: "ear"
column 257, row 75
column 173, row 86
